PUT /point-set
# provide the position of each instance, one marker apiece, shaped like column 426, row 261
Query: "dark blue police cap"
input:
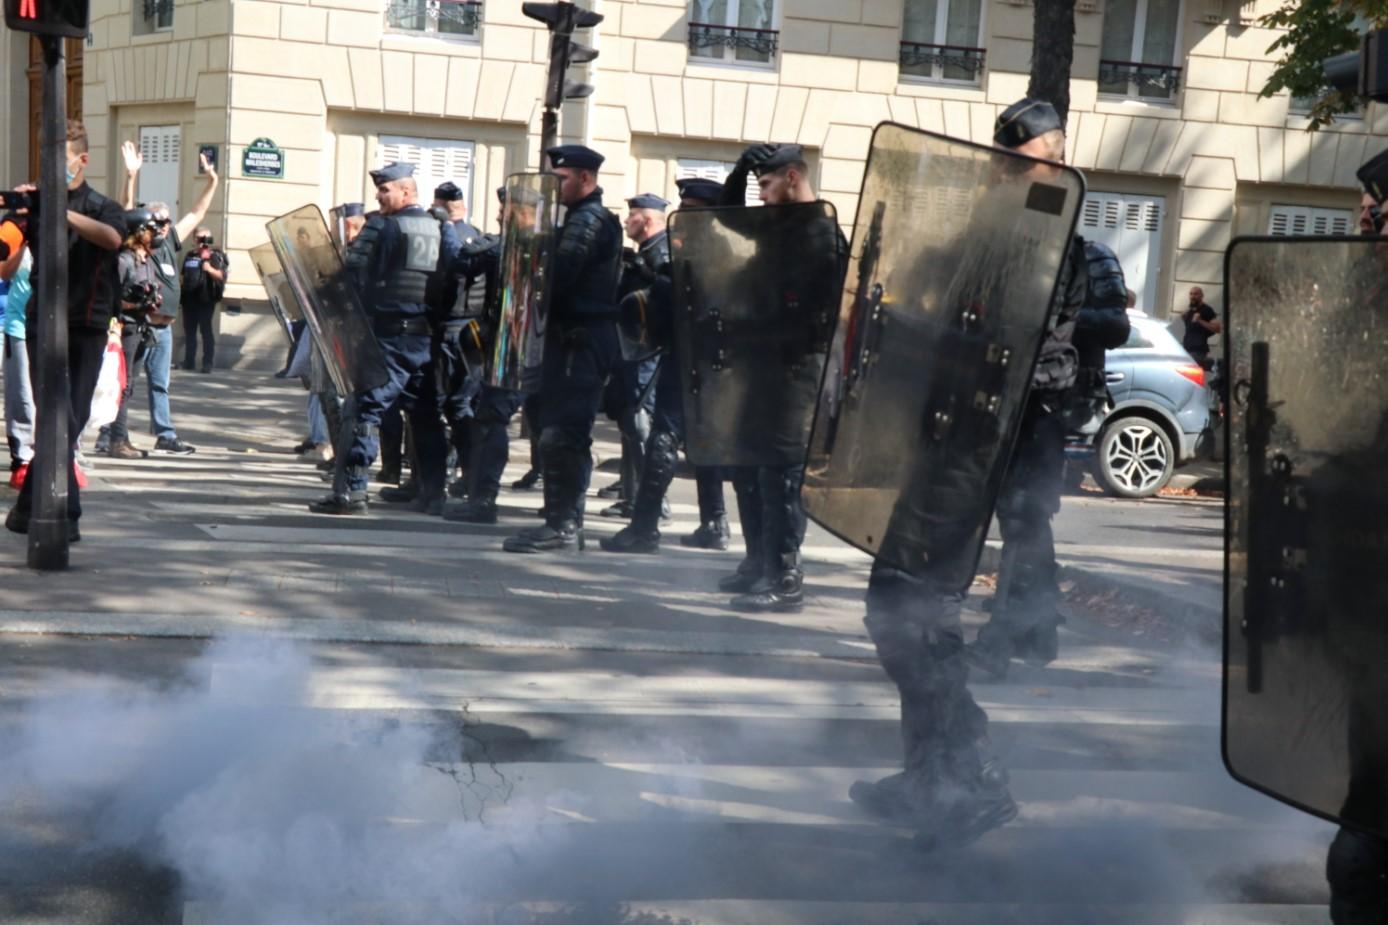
column 501, row 194
column 576, row 156
column 1024, row 120
column 448, row 192
column 351, row 209
column 648, row 201
column 393, row 171
column 783, row 156
column 704, row 190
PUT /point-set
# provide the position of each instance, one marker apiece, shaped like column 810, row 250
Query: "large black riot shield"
column 528, row 232
column 756, row 292
column 957, row 251
column 278, row 292
column 1306, row 640
column 328, row 298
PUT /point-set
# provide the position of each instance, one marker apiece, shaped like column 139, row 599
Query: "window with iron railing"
column 1138, row 53
column 152, row 16
column 940, row 41
column 733, row 31
column 445, row 18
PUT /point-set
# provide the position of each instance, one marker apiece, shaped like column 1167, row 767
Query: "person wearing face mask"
column 95, row 228
column 168, row 238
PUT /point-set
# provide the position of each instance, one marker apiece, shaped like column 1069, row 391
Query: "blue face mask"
column 71, row 174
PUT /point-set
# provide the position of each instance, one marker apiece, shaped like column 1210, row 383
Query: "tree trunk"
column 1052, row 53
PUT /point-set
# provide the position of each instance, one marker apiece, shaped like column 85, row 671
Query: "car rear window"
column 1136, row 338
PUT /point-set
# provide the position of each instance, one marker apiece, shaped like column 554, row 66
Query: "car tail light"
column 1192, row 372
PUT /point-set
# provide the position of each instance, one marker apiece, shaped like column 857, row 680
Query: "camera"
column 12, row 200
column 144, row 296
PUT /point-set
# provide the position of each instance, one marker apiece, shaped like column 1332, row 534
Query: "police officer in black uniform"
column 393, row 260
column 459, row 352
column 580, row 348
column 773, row 519
column 712, row 532
column 1067, row 389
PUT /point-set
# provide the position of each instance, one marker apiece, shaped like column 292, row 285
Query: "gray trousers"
column 19, row 402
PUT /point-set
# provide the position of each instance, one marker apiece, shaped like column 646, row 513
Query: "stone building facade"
column 1179, row 151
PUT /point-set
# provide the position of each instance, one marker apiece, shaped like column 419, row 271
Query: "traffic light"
column 48, row 17
column 562, row 18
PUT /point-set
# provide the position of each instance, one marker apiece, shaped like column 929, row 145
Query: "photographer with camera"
column 204, row 281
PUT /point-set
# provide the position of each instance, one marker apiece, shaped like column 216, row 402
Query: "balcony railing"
column 705, row 37
column 1135, row 78
column 957, row 62
column 449, row 17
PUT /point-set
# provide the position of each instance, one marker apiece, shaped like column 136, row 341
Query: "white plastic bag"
column 110, row 382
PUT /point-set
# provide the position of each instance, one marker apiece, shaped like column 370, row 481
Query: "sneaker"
column 18, row 475
column 302, row 448
column 124, row 449
column 318, row 452
column 174, row 446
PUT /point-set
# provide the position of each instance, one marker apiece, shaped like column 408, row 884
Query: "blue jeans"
column 158, row 362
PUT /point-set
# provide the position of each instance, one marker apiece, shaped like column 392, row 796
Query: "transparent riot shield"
column 1305, row 686
column 528, row 231
column 755, row 295
column 328, row 298
column 278, row 292
column 956, row 255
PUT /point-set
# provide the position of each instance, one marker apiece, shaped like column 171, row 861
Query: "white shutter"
column 687, row 168
column 1290, row 220
column 1132, row 226
column 158, row 182
column 436, row 160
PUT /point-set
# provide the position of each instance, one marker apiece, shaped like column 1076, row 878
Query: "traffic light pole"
column 48, row 547
column 561, row 18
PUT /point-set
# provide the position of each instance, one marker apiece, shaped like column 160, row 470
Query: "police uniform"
column 580, row 352
column 393, row 260
column 768, row 498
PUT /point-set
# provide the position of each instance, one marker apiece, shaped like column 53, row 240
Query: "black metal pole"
column 549, row 133
column 48, row 548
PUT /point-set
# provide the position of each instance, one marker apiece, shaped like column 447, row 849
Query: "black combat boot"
column 527, row 481
column 993, row 648
column 350, row 503
column 712, row 534
column 967, row 809
column 428, row 504
column 780, row 593
column 472, row 511
column 622, row 510
column 406, row 493
column 458, row 488
column 642, row 535
column 563, row 527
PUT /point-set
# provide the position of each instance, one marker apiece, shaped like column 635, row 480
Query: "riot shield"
column 528, row 231
column 277, row 289
column 328, row 298
column 957, row 251
column 755, row 295
column 1306, row 560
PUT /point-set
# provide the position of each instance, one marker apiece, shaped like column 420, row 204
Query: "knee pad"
column 664, row 443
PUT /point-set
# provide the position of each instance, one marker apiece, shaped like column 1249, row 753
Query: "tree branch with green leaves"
column 1316, row 30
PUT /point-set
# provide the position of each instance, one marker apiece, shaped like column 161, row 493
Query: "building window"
column 1286, row 220
column 733, row 31
column 158, row 180
column 1138, row 55
column 940, row 40
column 436, row 160
column 687, row 168
column 153, row 16
column 450, row 18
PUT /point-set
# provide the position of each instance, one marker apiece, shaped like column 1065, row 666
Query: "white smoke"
column 272, row 812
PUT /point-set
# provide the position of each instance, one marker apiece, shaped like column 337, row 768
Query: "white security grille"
column 158, row 182
column 1288, row 220
column 436, row 160
column 1132, row 226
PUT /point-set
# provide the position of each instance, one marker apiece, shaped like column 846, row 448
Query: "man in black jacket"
column 95, row 230
column 580, row 348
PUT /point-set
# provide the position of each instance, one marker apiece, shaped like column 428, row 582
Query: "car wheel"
column 1134, row 459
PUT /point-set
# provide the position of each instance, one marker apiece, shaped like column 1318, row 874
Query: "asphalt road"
column 400, row 723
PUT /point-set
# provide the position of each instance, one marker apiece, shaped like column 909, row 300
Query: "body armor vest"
column 413, row 260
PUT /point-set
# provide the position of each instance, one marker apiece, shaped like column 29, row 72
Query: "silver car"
column 1159, row 419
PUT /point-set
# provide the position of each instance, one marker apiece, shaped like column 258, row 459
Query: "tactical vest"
column 594, row 297
column 413, row 261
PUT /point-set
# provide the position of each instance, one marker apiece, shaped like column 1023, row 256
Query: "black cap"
column 448, row 192
column 393, row 171
column 1024, row 120
column 700, row 188
column 783, row 156
column 577, row 156
column 350, row 209
column 648, row 201
column 1374, row 175
column 501, row 194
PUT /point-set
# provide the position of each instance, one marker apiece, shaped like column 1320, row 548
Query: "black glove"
column 755, row 155
column 481, row 245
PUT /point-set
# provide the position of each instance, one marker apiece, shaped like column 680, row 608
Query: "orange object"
column 12, row 236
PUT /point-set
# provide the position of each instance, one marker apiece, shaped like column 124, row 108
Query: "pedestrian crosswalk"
column 644, row 756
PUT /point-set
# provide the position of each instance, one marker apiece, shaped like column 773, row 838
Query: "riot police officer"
column 1068, row 388
column 392, row 261
column 770, row 578
column 580, row 348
